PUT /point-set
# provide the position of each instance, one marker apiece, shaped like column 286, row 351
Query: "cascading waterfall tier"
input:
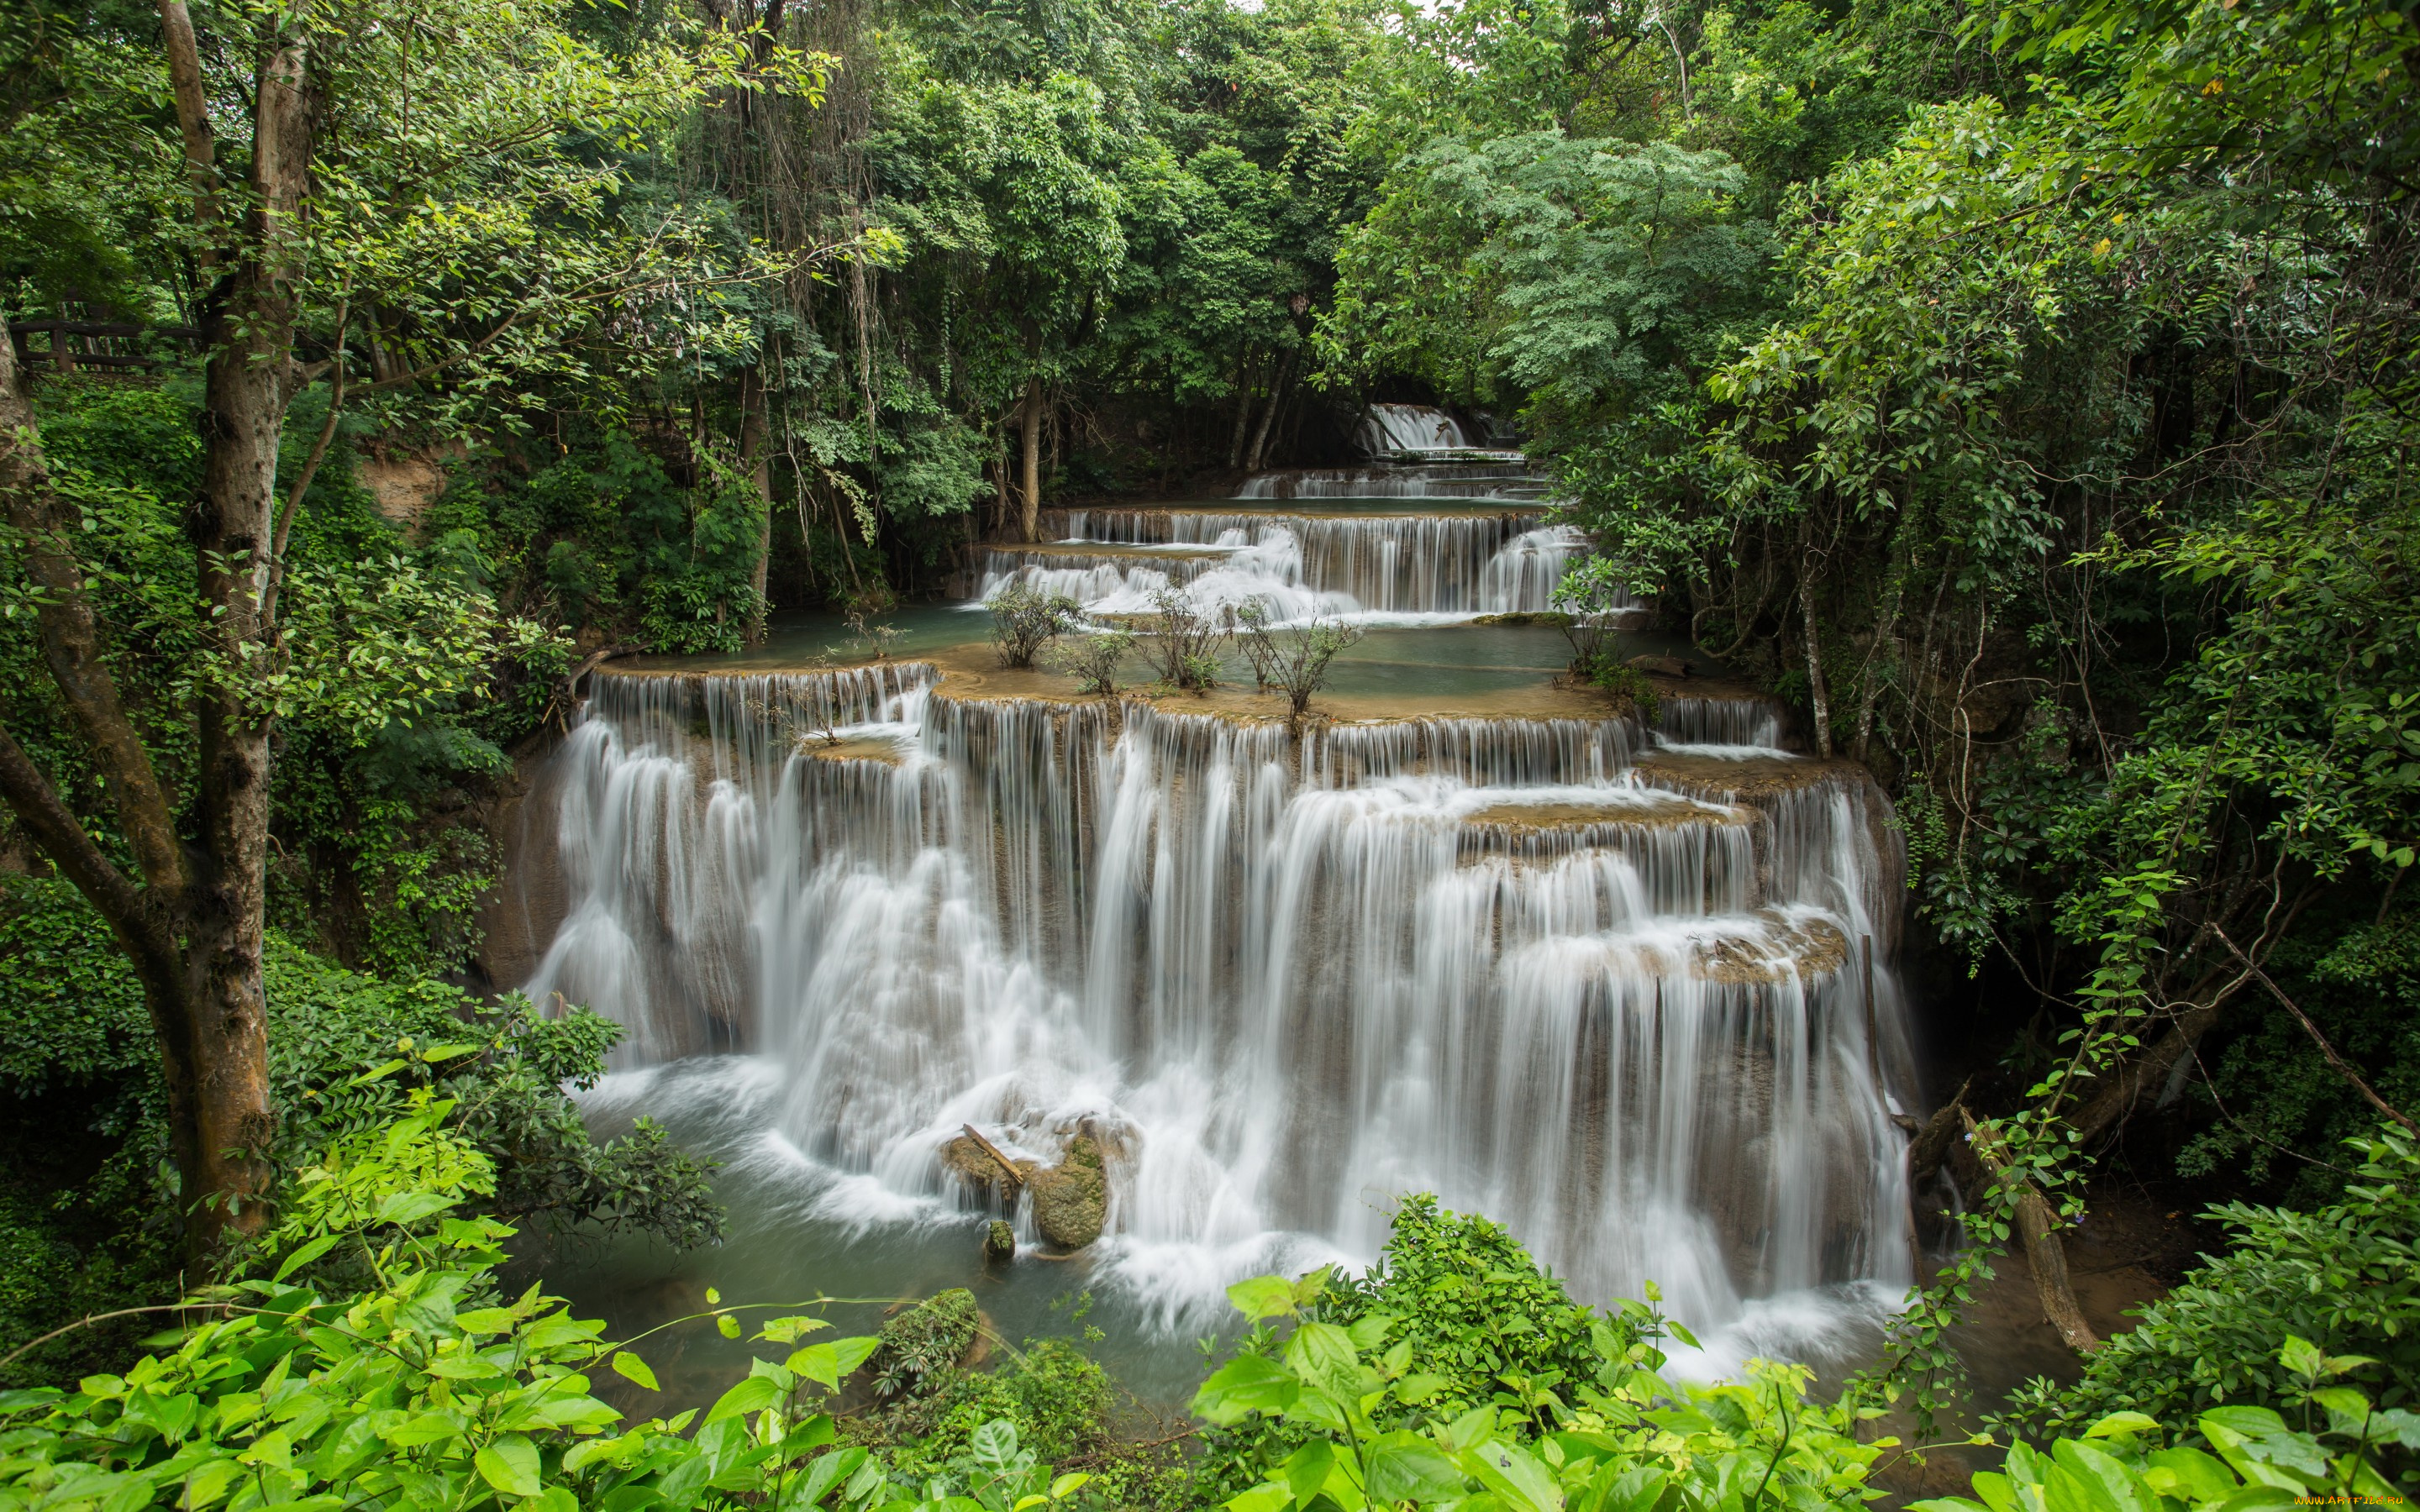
column 1299, row 565
column 1628, row 991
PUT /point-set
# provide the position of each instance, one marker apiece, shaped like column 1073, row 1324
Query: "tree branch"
column 54, row 827
column 71, row 643
column 193, row 121
column 2044, row 1252
column 310, row 469
column 2335, row 1062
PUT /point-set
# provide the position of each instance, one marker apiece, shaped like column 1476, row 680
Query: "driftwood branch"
column 1008, row 1166
column 594, row 660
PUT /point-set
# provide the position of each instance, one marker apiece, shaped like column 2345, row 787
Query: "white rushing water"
column 1497, row 960
column 1394, row 567
column 1414, row 430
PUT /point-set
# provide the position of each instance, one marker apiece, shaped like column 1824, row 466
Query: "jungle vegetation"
column 2023, row 390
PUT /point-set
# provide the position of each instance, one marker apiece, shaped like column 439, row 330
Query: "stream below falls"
column 1628, row 990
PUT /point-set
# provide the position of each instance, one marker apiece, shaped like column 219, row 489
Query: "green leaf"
column 2303, row 1357
column 1516, row 1477
column 2120, row 1423
column 410, row 1206
column 630, row 1367
column 1269, row 1498
column 994, row 1445
column 1405, row 1467
column 1307, row 1469
column 303, row 1255
column 752, row 1395
column 1323, row 1353
column 826, row 1363
column 1246, row 1385
column 510, row 1465
column 1262, row 1296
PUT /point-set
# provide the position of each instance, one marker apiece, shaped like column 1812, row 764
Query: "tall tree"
column 425, row 192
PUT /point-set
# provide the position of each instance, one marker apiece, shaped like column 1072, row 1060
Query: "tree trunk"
column 1031, row 506
column 1253, row 458
column 2116, row 1095
column 756, row 457
column 1819, row 698
column 1242, row 411
column 248, row 327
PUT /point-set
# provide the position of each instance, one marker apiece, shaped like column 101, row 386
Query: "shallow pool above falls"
column 1627, row 990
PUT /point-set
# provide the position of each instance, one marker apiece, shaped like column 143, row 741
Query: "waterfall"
column 1509, row 484
column 1411, row 430
column 1605, row 984
column 1394, row 566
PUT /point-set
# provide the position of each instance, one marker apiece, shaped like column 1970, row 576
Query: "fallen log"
column 2039, row 1228
column 1008, row 1166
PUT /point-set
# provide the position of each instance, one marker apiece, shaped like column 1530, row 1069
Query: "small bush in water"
column 1024, row 620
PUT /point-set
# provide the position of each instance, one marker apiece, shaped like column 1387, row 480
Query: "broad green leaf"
column 1246, row 1385
column 630, row 1367
column 1267, row 1498
column 303, row 1255
column 1405, row 1467
column 826, row 1363
column 1307, row 1469
column 1323, row 1353
column 410, row 1206
column 1516, row 1477
column 510, row 1465
column 994, row 1445
column 2117, row 1423
column 752, row 1395
column 1262, row 1296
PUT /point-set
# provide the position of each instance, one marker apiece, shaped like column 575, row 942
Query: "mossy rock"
column 1071, row 1199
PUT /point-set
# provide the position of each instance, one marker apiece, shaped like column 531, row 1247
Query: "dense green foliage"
column 2022, row 391
column 377, row 1365
column 2344, row 1276
column 83, row 1201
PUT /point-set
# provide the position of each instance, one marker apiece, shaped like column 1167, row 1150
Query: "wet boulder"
column 1071, row 1199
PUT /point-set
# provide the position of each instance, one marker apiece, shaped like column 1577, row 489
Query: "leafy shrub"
column 1024, row 620
column 1293, row 661
column 347, row 1054
column 2119, row 1464
column 1379, row 1427
column 1054, row 1395
column 921, row 1343
column 1093, row 660
column 1489, row 1329
column 1629, row 686
column 1182, row 643
column 1478, row 1309
column 2346, row 1277
column 429, row 1389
